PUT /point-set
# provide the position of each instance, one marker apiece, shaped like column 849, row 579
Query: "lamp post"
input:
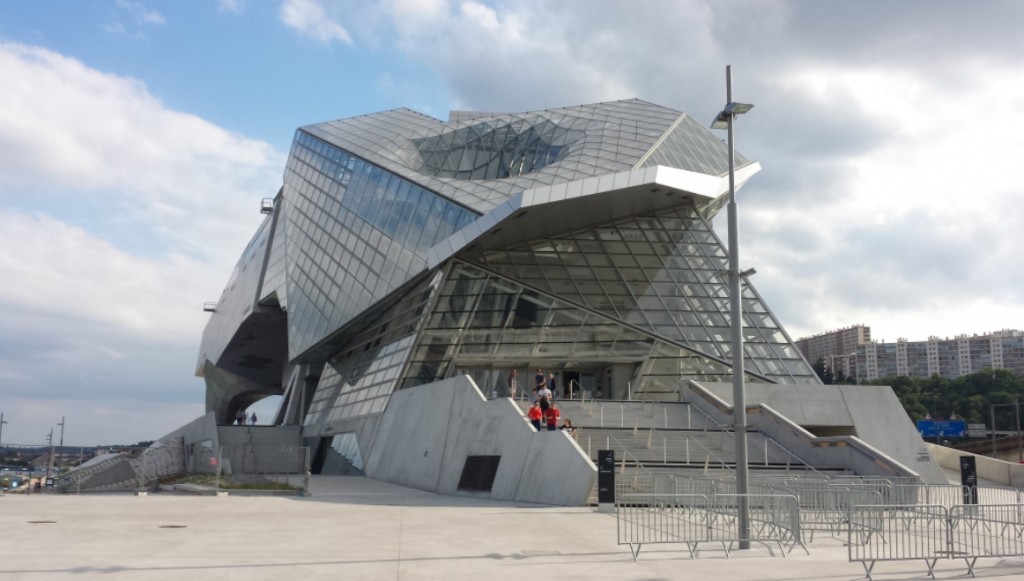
column 2, row 422
column 60, row 448
column 724, row 120
column 49, row 462
column 1016, row 406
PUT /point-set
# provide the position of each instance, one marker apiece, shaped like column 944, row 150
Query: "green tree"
column 824, row 373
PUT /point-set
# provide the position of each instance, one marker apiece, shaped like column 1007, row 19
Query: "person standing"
column 552, row 385
column 544, row 396
column 240, row 417
column 551, row 417
column 512, row 383
column 252, row 419
column 535, row 415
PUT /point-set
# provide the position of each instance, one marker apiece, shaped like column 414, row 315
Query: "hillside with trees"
column 969, row 397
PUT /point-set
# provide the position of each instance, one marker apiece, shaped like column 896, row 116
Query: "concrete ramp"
column 438, row 437
column 860, row 427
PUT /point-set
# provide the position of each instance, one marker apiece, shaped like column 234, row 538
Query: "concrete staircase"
column 675, row 438
column 130, row 470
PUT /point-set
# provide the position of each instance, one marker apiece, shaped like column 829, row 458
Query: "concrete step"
column 629, row 414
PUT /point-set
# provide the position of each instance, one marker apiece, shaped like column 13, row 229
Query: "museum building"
column 403, row 250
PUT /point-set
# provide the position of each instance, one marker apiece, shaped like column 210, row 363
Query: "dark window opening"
column 478, row 473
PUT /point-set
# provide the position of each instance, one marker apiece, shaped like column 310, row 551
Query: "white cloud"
column 91, row 143
column 233, row 6
column 140, row 13
column 120, row 218
column 309, row 18
column 64, row 273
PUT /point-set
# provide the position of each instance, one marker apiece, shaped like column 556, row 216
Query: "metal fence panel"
column 905, row 532
column 993, row 530
column 827, row 508
column 661, row 518
column 773, row 519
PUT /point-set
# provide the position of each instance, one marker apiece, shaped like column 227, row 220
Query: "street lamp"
column 61, row 447
column 49, row 463
column 724, row 120
column 2, row 422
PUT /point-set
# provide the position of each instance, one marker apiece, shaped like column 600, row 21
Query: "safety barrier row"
column 933, row 532
column 824, row 503
column 953, row 494
column 691, row 519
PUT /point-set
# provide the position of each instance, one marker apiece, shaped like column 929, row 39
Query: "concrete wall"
column 991, row 469
column 260, row 449
column 872, row 413
column 425, row 435
column 847, row 451
column 881, row 421
column 203, row 428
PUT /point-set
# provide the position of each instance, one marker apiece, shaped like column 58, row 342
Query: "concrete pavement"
column 355, row 528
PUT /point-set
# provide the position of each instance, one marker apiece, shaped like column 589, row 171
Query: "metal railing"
column 932, row 532
column 692, row 519
column 989, row 530
column 952, row 494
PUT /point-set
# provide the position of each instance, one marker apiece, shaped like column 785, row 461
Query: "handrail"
column 707, row 416
column 520, row 393
column 579, row 388
column 723, row 463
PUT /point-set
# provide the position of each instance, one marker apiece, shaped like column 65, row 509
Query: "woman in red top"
column 535, row 415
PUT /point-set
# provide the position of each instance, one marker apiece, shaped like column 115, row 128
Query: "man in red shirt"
column 551, row 416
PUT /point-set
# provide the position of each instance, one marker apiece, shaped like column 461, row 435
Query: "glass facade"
column 362, row 375
column 660, row 275
column 484, row 324
column 274, row 288
column 355, row 232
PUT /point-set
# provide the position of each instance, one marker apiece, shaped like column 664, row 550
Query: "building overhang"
column 537, row 212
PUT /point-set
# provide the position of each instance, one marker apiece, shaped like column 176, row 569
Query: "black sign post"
column 969, row 479
column 605, row 477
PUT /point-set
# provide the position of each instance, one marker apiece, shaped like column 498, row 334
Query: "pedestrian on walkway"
column 545, row 397
column 252, row 419
column 551, row 417
column 535, row 414
column 512, row 383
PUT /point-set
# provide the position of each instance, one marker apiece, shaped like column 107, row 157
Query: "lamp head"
column 738, row 108
column 721, row 121
column 731, row 110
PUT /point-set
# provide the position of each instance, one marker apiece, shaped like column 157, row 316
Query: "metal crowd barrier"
column 662, row 518
column 692, row 519
column 827, row 509
column 985, row 530
column 904, row 533
column 932, row 532
column 952, row 494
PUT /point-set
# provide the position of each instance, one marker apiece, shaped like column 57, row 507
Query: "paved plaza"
column 355, row 528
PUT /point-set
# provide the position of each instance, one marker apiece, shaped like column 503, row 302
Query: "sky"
column 138, row 137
